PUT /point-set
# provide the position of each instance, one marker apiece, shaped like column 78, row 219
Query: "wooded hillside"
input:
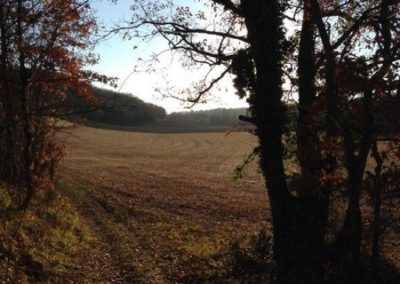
column 120, row 109
column 114, row 108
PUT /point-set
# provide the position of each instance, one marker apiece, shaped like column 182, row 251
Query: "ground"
column 161, row 207
column 133, row 207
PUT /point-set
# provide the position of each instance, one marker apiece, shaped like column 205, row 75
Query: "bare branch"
column 209, row 87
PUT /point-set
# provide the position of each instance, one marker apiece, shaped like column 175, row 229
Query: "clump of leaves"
column 243, row 71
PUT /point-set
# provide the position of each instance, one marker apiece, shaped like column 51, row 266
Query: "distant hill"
column 116, row 109
column 119, row 110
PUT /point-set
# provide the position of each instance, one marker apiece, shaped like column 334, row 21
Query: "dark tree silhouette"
column 342, row 64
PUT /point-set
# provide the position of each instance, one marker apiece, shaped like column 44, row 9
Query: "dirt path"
column 163, row 207
column 110, row 259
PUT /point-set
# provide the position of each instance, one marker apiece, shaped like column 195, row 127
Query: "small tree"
column 42, row 56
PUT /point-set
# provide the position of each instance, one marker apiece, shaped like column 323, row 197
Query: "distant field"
column 163, row 206
column 160, row 128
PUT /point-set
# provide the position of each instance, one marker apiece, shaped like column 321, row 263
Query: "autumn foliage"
column 43, row 54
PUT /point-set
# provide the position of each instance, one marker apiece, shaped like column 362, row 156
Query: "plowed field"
column 163, row 207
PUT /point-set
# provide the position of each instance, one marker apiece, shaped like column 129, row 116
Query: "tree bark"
column 8, row 168
column 349, row 238
column 298, row 223
column 307, row 136
column 377, row 202
column 24, row 99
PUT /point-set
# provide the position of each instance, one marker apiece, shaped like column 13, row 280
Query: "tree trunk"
column 25, row 111
column 377, row 200
column 298, row 224
column 8, row 163
column 307, row 135
column 348, row 243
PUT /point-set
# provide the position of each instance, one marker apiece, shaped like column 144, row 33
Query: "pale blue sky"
column 118, row 59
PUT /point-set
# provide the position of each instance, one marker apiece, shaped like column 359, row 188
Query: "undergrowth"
column 40, row 244
column 245, row 262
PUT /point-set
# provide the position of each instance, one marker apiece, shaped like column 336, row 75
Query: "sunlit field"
column 163, row 207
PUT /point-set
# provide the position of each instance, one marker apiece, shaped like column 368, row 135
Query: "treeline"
column 119, row 109
column 114, row 108
column 204, row 118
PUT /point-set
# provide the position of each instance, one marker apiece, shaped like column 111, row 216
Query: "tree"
column 346, row 54
column 42, row 56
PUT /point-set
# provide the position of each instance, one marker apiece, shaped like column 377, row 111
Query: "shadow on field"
column 254, row 264
column 244, row 264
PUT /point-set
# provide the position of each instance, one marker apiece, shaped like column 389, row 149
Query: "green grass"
column 43, row 242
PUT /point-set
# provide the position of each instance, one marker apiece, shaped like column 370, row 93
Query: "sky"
column 118, row 58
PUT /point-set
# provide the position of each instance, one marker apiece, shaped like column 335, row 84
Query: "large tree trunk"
column 308, row 120
column 298, row 223
column 313, row 200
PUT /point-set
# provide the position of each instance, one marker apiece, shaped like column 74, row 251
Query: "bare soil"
column 162, row 207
